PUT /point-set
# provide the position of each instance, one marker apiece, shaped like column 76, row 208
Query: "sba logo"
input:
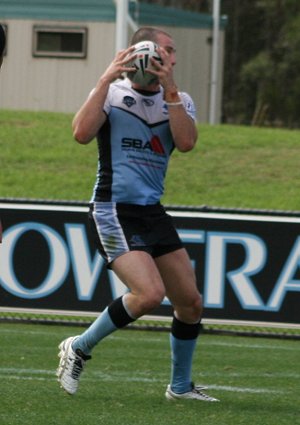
column 153, row 145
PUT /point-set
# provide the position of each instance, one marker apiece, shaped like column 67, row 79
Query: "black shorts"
column 120, row 228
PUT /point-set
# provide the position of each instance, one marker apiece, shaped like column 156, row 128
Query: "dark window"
column 60, row 42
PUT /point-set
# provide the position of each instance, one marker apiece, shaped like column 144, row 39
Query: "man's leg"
column 139, row 273
column 183, row 340
column 181, row 289
column 115, row 316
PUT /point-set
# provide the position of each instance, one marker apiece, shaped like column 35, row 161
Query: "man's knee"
column 148, row 300
column 192, row 311
column 196, row 307
column 152, row 299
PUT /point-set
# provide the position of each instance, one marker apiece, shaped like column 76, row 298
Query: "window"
column 67, row 42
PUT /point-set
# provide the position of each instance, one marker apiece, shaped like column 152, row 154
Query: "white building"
column 57, row 50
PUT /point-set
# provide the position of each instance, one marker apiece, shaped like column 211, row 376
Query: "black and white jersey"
column 135, row 145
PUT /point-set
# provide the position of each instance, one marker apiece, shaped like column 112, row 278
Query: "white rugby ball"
column 144, row 50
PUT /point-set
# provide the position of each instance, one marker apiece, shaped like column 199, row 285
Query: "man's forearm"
column 91, row 116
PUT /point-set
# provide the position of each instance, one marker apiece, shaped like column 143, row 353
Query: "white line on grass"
column 123, row 375
column 36, row 375
column 5, row 370
column 243, row 390
column 25, row 378
column 209, row 387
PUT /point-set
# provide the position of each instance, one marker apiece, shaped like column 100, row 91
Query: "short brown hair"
column 147, row 33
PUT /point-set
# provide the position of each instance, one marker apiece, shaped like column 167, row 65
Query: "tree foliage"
column 262, row 80
column 262, row 59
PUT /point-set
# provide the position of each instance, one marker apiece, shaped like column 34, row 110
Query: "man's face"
column 167, row 43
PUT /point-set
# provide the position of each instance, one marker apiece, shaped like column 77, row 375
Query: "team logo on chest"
column 129, row 101
column 148, row 102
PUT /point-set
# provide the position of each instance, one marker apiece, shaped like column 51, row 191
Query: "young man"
column 137, row 129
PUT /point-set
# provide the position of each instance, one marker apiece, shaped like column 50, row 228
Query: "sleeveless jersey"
column 134, row 144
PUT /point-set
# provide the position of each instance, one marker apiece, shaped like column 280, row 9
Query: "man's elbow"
column 81, row 137
column 187, row 145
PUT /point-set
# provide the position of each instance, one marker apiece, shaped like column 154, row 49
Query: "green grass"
column 255, row 379
column 231, row 166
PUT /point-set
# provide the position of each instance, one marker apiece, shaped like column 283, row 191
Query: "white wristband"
column 174, row 103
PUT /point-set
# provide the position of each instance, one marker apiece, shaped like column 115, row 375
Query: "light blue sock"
column 101, row 327
column 182, row 351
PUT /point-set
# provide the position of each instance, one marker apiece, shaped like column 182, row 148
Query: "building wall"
column 60, row 84
column 194, row 66
column 51, row 84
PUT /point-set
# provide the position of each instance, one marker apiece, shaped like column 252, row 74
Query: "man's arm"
column 182, row 126
column 91, row 116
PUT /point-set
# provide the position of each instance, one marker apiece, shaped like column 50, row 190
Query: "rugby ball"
column 144, row 51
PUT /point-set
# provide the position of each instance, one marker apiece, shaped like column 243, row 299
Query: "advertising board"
column 247, row 265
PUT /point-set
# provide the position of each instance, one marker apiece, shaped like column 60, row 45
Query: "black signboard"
column 247, row 265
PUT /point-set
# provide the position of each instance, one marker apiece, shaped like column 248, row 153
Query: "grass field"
column 257, row 380
column 231, row 166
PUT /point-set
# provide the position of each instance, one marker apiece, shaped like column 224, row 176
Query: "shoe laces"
column 77, row 367
column 78, row 364
column 197, row 390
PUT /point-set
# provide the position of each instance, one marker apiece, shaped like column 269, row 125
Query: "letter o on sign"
column 58, row 264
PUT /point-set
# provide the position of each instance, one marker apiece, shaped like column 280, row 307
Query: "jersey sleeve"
column 106, row 106
column 188, row 104
column 107, row 103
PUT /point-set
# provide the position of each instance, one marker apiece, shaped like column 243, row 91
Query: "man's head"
column 147, row 33
column 158, row 36
column 2, row 43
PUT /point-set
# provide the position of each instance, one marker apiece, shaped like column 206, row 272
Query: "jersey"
column 134, row 144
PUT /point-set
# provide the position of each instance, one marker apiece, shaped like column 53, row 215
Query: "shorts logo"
column 136, row 240
column 129, row 101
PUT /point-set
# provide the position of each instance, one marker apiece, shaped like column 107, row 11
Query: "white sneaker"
column 196, row 393
column 70, row 366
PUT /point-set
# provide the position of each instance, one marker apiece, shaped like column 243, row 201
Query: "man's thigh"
column 178, row 276
column 138, row 271
column 140, row 274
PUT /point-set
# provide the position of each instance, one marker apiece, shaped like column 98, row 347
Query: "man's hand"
column 163, row 71
column 90, row 117
column 118, row 66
